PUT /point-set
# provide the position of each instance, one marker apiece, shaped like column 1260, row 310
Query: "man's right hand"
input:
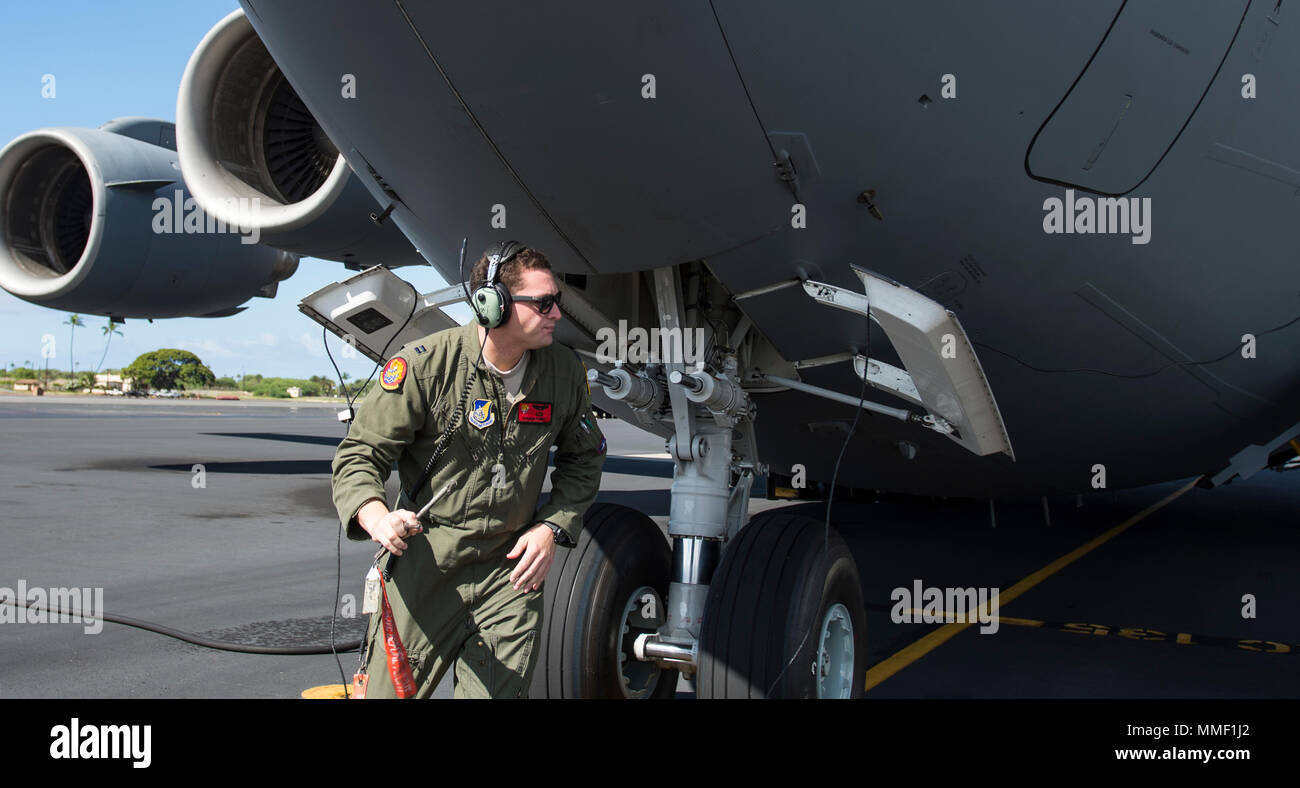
column 387, row 528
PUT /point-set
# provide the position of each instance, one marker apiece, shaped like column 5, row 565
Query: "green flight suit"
column 450, row 590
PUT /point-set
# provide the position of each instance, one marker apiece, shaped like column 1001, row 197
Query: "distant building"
column 31, row 385
column 294, row 391
column 104, row 380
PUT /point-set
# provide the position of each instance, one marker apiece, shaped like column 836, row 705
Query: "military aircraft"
column 1026, row 248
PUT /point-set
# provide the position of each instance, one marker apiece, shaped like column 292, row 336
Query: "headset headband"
column 504, row 253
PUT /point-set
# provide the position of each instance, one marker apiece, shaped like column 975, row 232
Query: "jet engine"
column 99, row 221
column 244, row 134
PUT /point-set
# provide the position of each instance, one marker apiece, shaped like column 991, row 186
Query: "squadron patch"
column 534, row 413
column 393, row 375
column 482, row 414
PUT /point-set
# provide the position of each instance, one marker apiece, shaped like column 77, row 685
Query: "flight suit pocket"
column 526, row 664
column 422, row 664
column 496, row 665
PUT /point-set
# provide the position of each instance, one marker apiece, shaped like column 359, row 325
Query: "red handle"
column 399, row 669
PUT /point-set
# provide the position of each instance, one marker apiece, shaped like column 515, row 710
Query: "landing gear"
column 785, row 616
column 773, row 609
column 598, row 597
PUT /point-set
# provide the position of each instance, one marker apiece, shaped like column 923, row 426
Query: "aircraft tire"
column 780, row 603
column 592, row 593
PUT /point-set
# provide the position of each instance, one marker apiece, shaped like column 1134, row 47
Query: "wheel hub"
column 833, row 669
column 642, row 613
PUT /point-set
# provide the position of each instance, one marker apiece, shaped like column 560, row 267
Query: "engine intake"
column 244, row 134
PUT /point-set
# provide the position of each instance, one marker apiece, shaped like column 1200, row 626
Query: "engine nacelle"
column 244, row 134
column 88, row 223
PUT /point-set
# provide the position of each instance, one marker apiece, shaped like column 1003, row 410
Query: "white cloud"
column 265, row 339
column 207, row 347
column 311, row 343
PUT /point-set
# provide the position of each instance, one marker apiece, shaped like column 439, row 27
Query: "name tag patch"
column 534, row 413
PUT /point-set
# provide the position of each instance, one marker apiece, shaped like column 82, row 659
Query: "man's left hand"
column 537, row 546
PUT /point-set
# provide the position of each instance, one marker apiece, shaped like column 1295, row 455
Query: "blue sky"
column 113, row 59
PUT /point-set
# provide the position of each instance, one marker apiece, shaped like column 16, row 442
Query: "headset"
column 491, row 302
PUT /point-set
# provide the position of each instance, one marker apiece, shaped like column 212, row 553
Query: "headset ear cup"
column 487, row 307
column 491, row 302
column 504, row 299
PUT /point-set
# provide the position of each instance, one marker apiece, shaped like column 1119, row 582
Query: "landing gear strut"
column 774, row 609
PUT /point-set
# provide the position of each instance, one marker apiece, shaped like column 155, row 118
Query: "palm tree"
column 108, row 331
column 74, row 321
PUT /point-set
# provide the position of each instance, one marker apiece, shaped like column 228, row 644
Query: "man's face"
column 533, row 328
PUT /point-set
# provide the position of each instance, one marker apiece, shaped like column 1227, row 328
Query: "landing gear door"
column 939, row 357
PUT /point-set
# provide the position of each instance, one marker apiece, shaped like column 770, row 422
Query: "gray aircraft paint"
column 540, row 110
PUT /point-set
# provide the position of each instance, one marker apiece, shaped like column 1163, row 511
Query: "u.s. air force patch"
column 393, row 375
column 482, row 414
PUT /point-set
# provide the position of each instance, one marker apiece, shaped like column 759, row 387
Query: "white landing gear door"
column 944, row 370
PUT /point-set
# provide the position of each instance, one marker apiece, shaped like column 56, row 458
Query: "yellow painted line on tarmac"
column 1128, row 633
column 917, row 613
column 896, row 662
column 1020, row 622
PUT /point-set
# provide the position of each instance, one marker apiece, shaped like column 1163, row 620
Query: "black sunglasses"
column 544, row 303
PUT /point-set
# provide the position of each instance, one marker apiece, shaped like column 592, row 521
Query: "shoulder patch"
column 393, row 375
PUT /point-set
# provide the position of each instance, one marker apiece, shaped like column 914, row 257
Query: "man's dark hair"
column 512, row 273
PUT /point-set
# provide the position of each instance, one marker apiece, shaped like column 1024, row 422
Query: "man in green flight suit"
column 467, row 587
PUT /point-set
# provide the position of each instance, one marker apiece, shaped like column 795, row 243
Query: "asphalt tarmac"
column 215, row 518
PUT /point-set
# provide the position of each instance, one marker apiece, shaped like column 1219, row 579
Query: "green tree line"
column 171, row 368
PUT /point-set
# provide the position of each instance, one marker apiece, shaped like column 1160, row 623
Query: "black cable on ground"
column 219, row 645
